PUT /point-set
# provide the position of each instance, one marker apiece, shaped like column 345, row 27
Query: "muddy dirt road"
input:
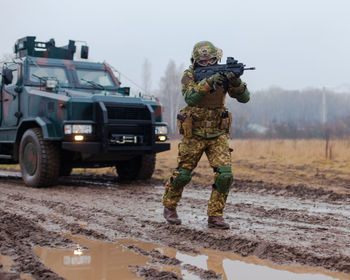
column 292, row 226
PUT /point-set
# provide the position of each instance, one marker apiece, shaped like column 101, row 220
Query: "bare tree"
column 6, row 57
column 170, row 93
column 146, row 76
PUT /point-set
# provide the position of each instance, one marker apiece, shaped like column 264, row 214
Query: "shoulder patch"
column 185, row 79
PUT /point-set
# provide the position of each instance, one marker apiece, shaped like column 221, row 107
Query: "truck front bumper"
column 95, row 148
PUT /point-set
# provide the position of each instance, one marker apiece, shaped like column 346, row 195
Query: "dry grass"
column 276, row 161
column 299, row 151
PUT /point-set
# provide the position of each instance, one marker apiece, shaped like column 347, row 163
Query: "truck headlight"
column 51, row 84
column 161, row 130
column 161, row 138
column 77, row 129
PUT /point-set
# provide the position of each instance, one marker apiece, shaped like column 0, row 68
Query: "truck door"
column 10, row 99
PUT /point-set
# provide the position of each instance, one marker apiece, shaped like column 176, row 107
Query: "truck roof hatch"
column 27, row 46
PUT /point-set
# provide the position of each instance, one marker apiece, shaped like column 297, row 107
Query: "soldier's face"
column 207, row 62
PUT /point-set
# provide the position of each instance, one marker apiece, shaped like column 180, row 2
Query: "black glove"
column 232, row 79
column 217, row 79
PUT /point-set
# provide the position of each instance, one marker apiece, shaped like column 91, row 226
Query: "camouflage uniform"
column 205, row 130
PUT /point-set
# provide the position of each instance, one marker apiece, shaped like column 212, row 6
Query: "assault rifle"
column 231, row 65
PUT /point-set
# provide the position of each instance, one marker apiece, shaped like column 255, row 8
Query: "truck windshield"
column 97, row 78
column 37, row 72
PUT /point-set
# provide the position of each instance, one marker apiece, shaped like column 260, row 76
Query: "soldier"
column 205, row 125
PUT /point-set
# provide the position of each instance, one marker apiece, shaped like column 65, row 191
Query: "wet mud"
column 285, row 225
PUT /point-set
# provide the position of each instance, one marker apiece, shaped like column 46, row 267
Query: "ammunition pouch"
column 184, row 124
column 224, row 180
column 205, row 124
column 182, row 179
column 226, row 121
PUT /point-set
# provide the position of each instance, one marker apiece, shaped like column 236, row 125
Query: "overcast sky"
column 293, row 44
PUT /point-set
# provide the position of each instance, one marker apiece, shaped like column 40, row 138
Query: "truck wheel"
column 148, row 163
column 39, row 159
column 141, row 167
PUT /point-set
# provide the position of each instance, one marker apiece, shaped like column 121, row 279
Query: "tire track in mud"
column 280, row 254
column 18, row 235
column 24, row 203
column 288, row 224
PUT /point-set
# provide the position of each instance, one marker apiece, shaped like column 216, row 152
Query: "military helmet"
column 205, row 50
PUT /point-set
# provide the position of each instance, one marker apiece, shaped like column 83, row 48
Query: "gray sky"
column 294, row 44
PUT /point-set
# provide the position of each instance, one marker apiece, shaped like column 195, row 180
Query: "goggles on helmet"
column 207, row 62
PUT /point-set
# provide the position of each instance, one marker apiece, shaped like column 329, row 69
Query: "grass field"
column 275, row 161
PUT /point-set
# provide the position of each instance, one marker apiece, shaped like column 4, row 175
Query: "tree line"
column 271, row 113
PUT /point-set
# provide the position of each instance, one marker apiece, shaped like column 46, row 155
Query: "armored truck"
column 58, row 113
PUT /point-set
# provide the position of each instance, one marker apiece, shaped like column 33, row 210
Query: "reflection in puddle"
column 234, row 266
column 244, row 271
column 107, row 260
column 199, row 261
column 102, row 260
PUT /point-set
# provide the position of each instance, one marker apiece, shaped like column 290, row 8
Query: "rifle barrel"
column 249, row 68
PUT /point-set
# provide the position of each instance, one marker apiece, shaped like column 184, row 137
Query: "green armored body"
column 205, row 125
column 58, row 113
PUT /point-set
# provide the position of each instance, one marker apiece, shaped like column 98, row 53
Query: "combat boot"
column 171, row 216
column 217, row 222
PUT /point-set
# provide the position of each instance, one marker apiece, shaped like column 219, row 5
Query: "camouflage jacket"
column 200, row 95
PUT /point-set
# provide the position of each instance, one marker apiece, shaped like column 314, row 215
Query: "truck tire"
column 147, row 166
column 141, row 167
column 39, row 159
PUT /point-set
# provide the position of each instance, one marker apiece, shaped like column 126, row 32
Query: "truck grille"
column 128, row 121
column 132, row 129
column 128, row 113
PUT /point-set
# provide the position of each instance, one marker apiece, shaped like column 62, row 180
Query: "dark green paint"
column 27, row 46
column 27, row 102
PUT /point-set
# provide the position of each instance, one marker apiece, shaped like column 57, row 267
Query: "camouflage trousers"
column 190, row 152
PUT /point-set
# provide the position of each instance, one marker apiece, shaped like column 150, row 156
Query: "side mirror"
column 7, row 76
column 84, row 52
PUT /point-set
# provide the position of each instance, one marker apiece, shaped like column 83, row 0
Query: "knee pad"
column 182, row 179
column 224, row 180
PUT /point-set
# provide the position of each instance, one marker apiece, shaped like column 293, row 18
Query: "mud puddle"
column 91, row 259
column 130, row 258
column 5, row 262
column 234, row 266
column 5, row 269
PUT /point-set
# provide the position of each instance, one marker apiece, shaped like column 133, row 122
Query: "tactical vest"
column 215, row 99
